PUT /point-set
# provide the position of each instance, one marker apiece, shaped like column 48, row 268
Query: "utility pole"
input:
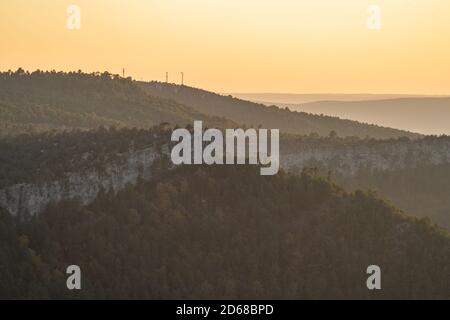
column 182, row 78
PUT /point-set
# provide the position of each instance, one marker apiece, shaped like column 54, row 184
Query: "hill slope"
column 48, row 100
column 422, row 190
column 250, row 113
column 185, row 235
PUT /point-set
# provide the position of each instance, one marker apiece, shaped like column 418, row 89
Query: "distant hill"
column 41, row 101
column 426, row 115
column 300, row 98
column 255, row 114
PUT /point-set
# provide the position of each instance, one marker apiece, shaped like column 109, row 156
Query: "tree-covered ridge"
column 422, row 191
column 254, row 114
column 48, row 156
column 41, row 101
column 225, row 232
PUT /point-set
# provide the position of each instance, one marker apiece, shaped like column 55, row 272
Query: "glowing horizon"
column 239, row 46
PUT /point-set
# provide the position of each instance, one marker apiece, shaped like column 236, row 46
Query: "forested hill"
column 41, row 101
column 48, row 167
column 254, row 114
column 225, row 232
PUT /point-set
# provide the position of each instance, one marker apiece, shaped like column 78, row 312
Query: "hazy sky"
column 239, row 45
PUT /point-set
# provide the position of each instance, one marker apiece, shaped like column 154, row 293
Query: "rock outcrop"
column 134, row 165
column 84, row 186
column 376, row 155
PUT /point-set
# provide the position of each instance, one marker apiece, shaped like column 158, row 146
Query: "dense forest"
column 42, row 101
column 208, row 231
column 422, row 191
column 225, row 232
column 48, row 100
column 36, row 158
column 45, row 156
column 48, row 156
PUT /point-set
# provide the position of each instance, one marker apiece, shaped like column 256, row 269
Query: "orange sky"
column 239, row 45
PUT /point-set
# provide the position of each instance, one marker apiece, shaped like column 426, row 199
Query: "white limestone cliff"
column 345, row 159
column 84, row 186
